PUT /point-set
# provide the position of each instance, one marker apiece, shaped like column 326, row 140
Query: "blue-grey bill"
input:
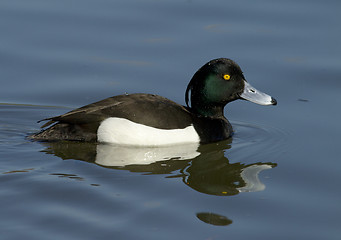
column 253, row 95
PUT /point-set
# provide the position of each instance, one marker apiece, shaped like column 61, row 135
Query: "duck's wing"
column 148, row 109
column 85, row 114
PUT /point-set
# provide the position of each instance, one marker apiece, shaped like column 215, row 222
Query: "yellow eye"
column 227, row 77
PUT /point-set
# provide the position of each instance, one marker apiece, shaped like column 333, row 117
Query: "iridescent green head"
column 217, row 83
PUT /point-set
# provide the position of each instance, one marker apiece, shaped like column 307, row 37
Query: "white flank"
column 123, row 131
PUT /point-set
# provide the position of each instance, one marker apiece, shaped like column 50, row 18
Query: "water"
column 278, row 178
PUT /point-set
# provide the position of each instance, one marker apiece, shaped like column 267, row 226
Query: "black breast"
column 212, row 129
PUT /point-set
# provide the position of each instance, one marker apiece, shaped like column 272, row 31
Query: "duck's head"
column 217, row 83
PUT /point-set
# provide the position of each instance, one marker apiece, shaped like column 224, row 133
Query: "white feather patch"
column 123, row 131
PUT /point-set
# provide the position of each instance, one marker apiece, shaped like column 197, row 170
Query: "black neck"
column 207, row 110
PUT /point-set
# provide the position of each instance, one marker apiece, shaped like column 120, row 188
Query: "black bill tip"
column 273, row 101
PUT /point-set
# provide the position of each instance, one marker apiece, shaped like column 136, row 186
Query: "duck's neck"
column 207, row 110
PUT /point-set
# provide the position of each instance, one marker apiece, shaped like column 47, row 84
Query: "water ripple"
column 259, row 140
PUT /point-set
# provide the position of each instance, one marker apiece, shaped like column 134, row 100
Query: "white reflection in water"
column 110, row 155
column 250, row 176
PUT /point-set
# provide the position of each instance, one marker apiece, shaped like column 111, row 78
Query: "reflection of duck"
column 211, row 173
column 204, row 168
column 150, row 120
column 119, row 156
column 213, row 219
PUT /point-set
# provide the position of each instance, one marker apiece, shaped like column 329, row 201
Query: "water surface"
column 277, row 178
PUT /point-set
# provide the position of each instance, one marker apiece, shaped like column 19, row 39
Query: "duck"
column 150, row 120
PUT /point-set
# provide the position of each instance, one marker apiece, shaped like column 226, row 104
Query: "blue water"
column 278, row 178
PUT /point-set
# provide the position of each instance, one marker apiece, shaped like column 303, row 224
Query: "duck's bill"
column 253, row 95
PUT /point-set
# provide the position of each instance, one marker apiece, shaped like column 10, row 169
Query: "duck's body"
column 137, row 119
column 146, row 119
